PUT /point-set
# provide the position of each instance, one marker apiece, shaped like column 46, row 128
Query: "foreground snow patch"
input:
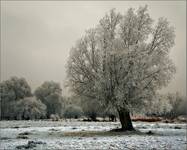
column 49, row 135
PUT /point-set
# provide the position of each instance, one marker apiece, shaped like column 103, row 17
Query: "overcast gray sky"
column 36, row 36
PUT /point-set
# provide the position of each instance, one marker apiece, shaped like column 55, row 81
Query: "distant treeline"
column 18, row 102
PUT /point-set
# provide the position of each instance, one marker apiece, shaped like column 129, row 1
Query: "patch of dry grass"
column 147, row 119
column 100, row 133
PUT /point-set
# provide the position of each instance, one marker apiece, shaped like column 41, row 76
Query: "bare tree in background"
column 50, row 93
column 123, row 61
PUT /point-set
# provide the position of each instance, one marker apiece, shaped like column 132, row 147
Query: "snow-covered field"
column 52, row 135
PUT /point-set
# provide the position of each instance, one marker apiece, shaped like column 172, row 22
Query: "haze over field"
column 36, row 37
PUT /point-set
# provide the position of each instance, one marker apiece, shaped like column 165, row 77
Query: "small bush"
column 72, row 112
column 54, row 117
column 30, row 108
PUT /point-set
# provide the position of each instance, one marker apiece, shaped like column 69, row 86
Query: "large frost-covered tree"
column 123, row 61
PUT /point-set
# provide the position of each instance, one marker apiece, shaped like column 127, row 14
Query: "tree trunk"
column 125, row 120
column 93, row 117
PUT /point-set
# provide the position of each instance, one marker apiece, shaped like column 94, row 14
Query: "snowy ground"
column 51, row 135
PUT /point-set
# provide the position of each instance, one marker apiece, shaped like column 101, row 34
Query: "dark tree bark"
column 112, row 118
column 125, row 120
column 93, row 117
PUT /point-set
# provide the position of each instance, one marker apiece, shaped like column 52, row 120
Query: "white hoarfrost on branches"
column 30, row 108
column 124, row 60
column 11, row 91
column 50, row 93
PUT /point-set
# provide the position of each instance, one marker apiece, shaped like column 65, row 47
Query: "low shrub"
column 72, row 112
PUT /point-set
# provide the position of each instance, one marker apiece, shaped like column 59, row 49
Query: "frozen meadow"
column 57, row 135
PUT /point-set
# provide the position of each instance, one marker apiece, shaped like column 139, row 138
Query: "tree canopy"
column 50, row 93
column 123, row 61
column 11, row 91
